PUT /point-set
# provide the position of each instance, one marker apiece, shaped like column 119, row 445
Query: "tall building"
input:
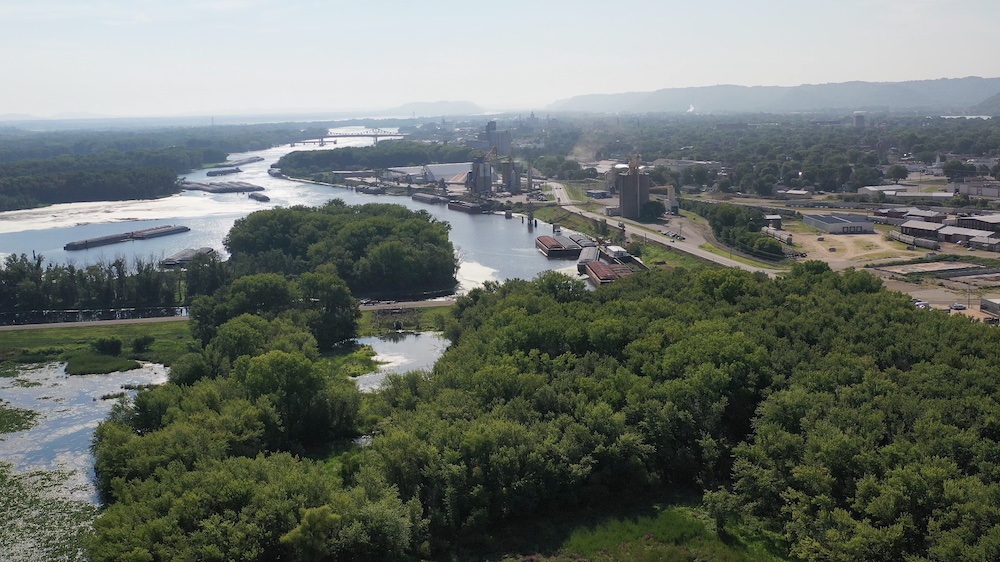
column 633, row 189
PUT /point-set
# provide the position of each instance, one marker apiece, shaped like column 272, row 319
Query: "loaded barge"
column 558, row 247
column 428, row 198
column 143, row 234
column 470, row 208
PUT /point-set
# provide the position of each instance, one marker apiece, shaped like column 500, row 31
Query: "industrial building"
column 921, row 229
column 632, row 184
column 492, row 138
column 912, row 213
column 980, row 188
column 957, row 234
column 430, row 173
column 840, row 223
column 989, row 223
column 991, row 306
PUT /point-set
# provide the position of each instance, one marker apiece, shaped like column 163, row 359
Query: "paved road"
column 92, row 323
column 693, row 234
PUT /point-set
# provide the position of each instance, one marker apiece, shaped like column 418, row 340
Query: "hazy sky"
column 205, row 57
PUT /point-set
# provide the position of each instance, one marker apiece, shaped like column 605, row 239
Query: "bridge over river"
column 373, row 133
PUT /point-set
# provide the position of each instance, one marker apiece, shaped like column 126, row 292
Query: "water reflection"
column 401, row 352
column 69, row 408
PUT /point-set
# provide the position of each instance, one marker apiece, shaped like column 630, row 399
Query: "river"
column 489, row 247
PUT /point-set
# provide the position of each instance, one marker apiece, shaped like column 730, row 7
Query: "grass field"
column 73, row 344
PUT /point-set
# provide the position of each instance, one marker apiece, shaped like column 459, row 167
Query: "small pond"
column 400, row 353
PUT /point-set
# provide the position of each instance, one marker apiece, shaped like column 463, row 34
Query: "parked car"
column 958, row 306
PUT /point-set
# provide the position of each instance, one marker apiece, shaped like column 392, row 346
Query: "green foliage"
column 15, row 419
column 377, row 249
column 143, row 343
column 738, row 226
column 29, row 287
column 108, row 346
column 87, row 362
column 385, row 154
column 40, row 524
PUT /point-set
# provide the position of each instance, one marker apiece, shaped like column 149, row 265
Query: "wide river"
column 489, row 247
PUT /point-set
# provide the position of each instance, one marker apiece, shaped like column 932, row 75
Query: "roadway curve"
column 693, row 234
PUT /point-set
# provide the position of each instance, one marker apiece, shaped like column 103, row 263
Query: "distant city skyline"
column 228, row 57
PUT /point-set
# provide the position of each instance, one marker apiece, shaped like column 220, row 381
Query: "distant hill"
column 952, row 95
column 435, row 109
column 990, row 106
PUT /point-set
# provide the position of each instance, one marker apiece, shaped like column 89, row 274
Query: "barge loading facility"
column 143, row 234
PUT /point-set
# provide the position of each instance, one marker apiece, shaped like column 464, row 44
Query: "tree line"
column 766, row 150
column 18, row 144
column 385, row 154
column 738, row 226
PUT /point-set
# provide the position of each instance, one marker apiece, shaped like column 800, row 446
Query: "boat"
column 259, row 197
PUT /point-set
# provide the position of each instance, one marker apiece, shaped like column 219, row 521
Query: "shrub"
column 108, row 346
column 142, row 343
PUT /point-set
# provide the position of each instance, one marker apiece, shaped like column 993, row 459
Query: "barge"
column 465, row 207
column 428, row 198
column 221, row 187
column 601, row 273
column 259, row 197
column 143, row 234
column 558, row 247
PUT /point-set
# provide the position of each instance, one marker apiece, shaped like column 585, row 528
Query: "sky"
column 136, row 58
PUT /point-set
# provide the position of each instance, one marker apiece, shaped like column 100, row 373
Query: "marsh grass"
column 72, row 344
column 15, row 419
column 87, row 362
column 38, row 523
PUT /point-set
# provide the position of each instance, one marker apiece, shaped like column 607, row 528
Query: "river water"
column 489, row 247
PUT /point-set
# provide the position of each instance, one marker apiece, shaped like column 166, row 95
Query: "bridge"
column 373, row 133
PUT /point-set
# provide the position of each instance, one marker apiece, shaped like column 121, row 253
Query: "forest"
column 818, row 406
column 386, row 154
column 759, row 151
column 377, row 249
column 39, row 169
